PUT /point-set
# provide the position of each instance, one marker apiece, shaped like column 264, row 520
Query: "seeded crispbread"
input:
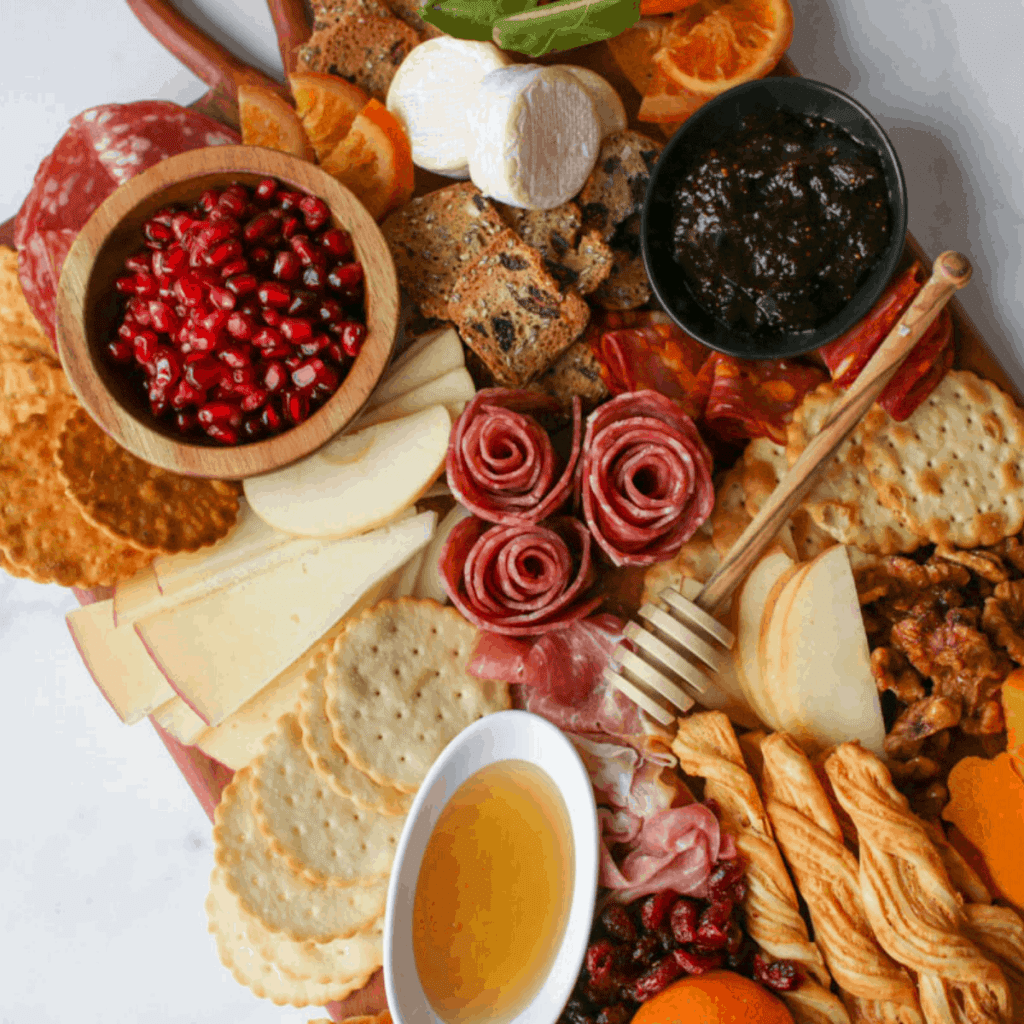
column 627, row 285
column 551, row 232
column 510, row 311
column 322, row 835
column 576, row 372
column 399, row 689
column 617, row 185
column 29, row 384
column 328, row 759
column 434, row 238
column 270, row 890
column 953, row 471
column 233, row 929
column 18, row 327
column 843, row 502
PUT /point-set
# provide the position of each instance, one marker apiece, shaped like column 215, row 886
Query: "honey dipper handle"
column 291, row 24
column 950, row 272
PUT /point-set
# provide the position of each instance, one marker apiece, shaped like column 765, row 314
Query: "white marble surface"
column 104, row 852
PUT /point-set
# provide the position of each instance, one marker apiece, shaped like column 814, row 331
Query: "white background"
column 104, row 851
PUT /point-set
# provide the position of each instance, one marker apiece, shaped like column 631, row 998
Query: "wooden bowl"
column 87, row 311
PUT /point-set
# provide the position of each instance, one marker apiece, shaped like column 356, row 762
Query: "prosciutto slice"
column 501, row 464
column 646, row 478
column 519, row 579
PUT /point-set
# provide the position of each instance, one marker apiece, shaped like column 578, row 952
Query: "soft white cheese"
column 535, row 136
column 430, row 94
column 610, row 111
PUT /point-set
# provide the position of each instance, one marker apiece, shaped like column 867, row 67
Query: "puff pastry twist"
column 706, row 747
column 915, row 912
column 1000, row 933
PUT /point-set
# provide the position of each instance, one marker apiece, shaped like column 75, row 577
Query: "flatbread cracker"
column 764, row 464
column 18, row 326
column 269, row 890
column 232, row 930
column 323, row 836
column 953, row 471
column 399, row 690
column 844, row 502
column 328, row 759
column 143, row 505
column 41, row 531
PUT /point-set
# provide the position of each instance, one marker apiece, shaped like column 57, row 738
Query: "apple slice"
column 452, row 390
column 178, row 719
column 219, row 651
column 428, row 358
column 429, row 584
column 118, row 663
column 356, row 481
column 771, row 652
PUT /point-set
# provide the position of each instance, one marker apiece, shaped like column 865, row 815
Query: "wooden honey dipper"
column 683, row 646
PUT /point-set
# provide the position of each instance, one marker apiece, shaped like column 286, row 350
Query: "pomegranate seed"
column 265, row 189
column 305, row 375
column 260, row 256
column 780, row 976
column 327, row 381
column 144, row 345
column 267, row 337
column 157, row 235
column 140, row 263
column 336, row 353
column 315, row 344
column 293, row 360
column 119, row 351
column 222, row 413
column 186, row 394
column 262, row 224
column 289, row 200
column 347, row 278
column 202, row 340
column 314, row 278
column 337, row 242
column 303, row 301
column 271, row 317
column 157, row 400
column 240, row 326
column 222, row 252
column 296, row 406
column 242, row 284
column 270, row 417
column 653, row 909
column 252, row 398
column 287, row 266
column 205, row 373
column 273, row 293
column 239, row 265
column 235, row 356
column 280, row 351
column 232, row 202
column 303, row 248
column 658, row 978
column 208, row 200
column 244, row 375
column 127, row 329
column 212, row 233
column 712, row 929
column 163, row 216
column 331, row 311
column 125, row 285
column 222, row 298
column 162, row 317
column 171, row 261
column 145, row 285
column 180, row 223
column 290, row 226
column 274, row 376
column 697, row 963
column 296, row 329
column 188, row 290
column 315, row 212
column 166, row 366
column 683, row 921
column 186, row 421
column 213, row 319
column 352, row 335
column 252, row 428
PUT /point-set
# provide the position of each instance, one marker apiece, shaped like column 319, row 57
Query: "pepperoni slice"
column 645, row 479
column 501, row 464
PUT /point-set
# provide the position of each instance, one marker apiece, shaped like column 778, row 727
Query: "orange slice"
column 267, row 120
column 634, row 51
column 327, row 105
column 374, row 160
column 717, row 44
column 667, row 103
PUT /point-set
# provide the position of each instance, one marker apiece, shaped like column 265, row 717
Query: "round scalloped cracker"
column 729, row 517
column 697, row 560
column 399, row 689
column 133, row 501
column 241, row 953
column 328, row 759
column 843, row 502
column 764, row 464
column 954, row 471
column 18, row 325
column 324, row 836
column 29, row 385
column 42, row 532
column 271, row 891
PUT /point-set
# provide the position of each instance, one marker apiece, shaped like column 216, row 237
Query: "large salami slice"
column 501, row 464
column 519, row 579
column 103, row 148
column 646, row 478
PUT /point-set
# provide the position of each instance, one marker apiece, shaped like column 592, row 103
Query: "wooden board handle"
column 950, row 272
column 291, row 23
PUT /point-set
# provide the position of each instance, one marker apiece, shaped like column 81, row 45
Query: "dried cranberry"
column 575, row 1012
column 683, row 920
column 599, row 960
column 779, row 976
column 697, row 963
column 617, row 1013
column 654, row 909
column 617, row 923
column 712, row 929
column 723, row 878
column 659, row 977
column 646, row 950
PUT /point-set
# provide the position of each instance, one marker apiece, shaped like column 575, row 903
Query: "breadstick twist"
column 911, row 904
column 876, row 989
column 1000, row 933
column 706, row 747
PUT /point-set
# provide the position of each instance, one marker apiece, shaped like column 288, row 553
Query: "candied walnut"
column 893, row 672
column 921, row 720
column 1010, row 550
column 917, row 769
column 872, row 582
column 1003, row 618
column 910, row 575
column 987, row 720
column 986, row 564
column 929, row 804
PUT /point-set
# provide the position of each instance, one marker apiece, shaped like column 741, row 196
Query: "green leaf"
column 472, row 19
column 565, row 25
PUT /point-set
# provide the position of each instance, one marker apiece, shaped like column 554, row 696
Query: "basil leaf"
column 565, row 25
column 471, row 19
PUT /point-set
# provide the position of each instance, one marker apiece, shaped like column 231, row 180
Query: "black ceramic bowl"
column 717, row 121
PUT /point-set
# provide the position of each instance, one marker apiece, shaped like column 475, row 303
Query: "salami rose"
column 501, row 464
column 519, row 579
column 103, row 148
column 646, row 478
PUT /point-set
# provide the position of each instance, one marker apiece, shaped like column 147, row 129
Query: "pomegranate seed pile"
column 242, row 314
column 637, row 950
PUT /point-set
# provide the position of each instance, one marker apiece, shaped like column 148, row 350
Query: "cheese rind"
column 610, row 112
column 180, row 721
column 429, row 96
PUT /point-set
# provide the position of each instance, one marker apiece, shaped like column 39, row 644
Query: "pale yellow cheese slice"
column 429, row 357
column 177, row 718
column 452, row 390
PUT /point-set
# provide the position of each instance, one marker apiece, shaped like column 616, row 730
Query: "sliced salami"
column 103, row 148
column 519, row 579
column 645, row 479
column 501, row 464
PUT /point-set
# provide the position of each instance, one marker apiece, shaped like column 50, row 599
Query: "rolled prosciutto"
column 519, row 579
column 501, row 464
column 645, row 478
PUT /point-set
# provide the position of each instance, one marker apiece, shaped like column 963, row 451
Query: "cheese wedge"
column 452, row 390
column 430, row 93
column 428, row 358
column 138, row 596
column 219, row 651
column 429, row 584
column 117, row 661
column 535, row 136
column 610, row 111
column 178, row 719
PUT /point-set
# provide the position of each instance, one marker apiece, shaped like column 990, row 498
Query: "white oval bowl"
column 503, row 736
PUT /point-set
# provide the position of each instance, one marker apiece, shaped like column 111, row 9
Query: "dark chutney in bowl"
column 835, row 296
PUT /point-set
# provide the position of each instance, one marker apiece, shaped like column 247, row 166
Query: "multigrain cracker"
column 399, row 690
column 18, row 327
column 267, row 887
column 138, row 503
column 29, row 384
column 953, row 471
column 231, row 928
column 323, row 836
column 328, row 759
column 843, row 502
column 42, row 532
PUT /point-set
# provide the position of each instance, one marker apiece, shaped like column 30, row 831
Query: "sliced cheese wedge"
column 218, row 652
column 178, row 719
column 430, row 357
column 430, row 93
column 535, row 136
column 118, row 662
column 452, row 390
column 405, row 582
column 610, row 111
column 429, row 584
column 140, row 595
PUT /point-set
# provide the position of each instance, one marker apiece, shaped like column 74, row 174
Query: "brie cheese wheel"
column 535, row 136
column 610, row 111
column 430, row 94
